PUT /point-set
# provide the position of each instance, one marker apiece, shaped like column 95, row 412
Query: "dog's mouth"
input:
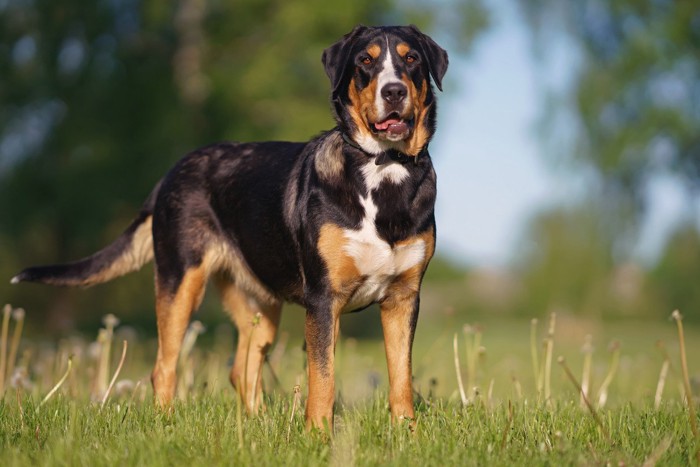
column 393, row 126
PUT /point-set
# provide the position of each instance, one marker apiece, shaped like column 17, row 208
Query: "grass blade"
column 592, row 410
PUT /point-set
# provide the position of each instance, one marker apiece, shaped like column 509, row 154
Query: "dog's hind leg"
column 173, row 310
column 257, row 323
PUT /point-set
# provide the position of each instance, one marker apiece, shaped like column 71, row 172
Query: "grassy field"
column 503, row 418
column 208, row 431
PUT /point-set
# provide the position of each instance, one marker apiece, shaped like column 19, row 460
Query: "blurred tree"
column 635, row 93
column 676, row 274
column 99, row 97
column 565, row 261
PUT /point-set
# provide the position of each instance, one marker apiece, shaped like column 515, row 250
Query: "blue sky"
column 492, row 176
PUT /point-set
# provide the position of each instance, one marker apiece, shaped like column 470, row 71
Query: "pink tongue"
column 392, row 125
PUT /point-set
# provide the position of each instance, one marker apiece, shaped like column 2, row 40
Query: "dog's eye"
column 367, row 60
column 411, row 58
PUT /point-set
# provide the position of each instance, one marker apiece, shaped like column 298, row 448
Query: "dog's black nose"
column 394, row 93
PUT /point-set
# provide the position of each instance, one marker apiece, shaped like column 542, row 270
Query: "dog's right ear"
column 335, row 58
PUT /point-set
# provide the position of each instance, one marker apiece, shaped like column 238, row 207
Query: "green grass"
column 507, row 423
column 205, row 431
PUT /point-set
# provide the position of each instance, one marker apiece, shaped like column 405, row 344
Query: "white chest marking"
column 374, row 258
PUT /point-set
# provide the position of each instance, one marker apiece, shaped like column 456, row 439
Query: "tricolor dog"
column 335, row 224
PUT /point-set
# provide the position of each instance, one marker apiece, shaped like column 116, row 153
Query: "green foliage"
column 634, row 98
column 679, row 262
column 566, row 262
column 636, row 91
column 443, row 270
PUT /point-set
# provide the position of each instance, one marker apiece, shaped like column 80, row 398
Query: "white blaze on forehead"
column 386, row 76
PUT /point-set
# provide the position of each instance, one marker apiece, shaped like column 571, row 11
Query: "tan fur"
column 319, row 405
column 254, row 340
column 221, row 258
column 342, row 272
column 374, row 51
column 402, row 49
column 410, row 279
column 139, row 253
column 173, row 316
column 329, row 161
column 361, row 107
column 420, row 135
column 396, row 314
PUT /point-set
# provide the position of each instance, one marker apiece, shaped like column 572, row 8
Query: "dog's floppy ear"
column 436, row 56
column 335, row 58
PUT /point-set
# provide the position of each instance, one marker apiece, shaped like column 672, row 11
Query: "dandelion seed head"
column 110, row 321
column 20, row 379
column 198, row 327
column 123, row 387
column 18, row 314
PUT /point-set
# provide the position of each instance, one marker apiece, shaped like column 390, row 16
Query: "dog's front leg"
column 321, row 332
column 399, row 314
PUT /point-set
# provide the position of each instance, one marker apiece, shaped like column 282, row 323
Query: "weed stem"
column 3, row 345
column 460, row 383
column 614, row 362
column 116, row 374
column 58, row 385
column 686, row 381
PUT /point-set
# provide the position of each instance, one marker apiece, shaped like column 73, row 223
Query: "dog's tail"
column 131, row 250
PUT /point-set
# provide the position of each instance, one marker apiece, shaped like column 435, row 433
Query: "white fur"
column 370, row 144
column 386, row 76
column 375, row 174
column 375, row 258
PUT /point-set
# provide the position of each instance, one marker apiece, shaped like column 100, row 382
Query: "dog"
column 335, row 224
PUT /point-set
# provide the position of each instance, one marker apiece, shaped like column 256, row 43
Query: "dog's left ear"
column 436, row 55
column 335, row 58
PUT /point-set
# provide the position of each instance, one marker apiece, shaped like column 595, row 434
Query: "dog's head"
column 381, row 91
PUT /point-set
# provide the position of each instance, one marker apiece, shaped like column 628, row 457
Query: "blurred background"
column 568, row 148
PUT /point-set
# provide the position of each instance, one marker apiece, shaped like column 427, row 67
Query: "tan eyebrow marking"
column 374, row 51
column 403, row 49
